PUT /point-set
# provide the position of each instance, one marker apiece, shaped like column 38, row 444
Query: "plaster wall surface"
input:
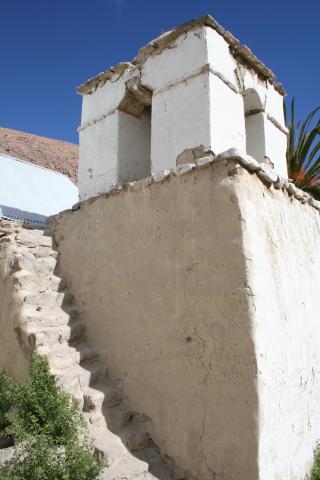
column 281, row 238
column 104, row 100
column 186, row 56
column 227, row 124
column 160, row 275
column 202, row 292
column 219, row 57
column 174, row 128
column 276, row 147
column 98, row 164
column 12, row 357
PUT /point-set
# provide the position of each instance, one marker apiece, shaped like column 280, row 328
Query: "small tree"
column 303, row 152
column 49, row 431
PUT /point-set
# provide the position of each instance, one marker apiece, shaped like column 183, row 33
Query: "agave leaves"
column 303, row 152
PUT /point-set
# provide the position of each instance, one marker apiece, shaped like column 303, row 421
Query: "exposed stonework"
column 53, row 154
column 203, row 159
column 48, row 323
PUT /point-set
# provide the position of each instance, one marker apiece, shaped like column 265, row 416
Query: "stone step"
column 54, row 318
column 59, row 357
column 45, row 300
column 64, row 356
column 127, row 467
column 45, row 266
column 105, row 393
column 85, row 375
column 38, row 334
column 108, row 446
column 36, row 282
column 35, row 251
column 40, row 237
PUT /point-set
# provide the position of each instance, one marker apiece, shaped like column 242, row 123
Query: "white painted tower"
column 193, row 88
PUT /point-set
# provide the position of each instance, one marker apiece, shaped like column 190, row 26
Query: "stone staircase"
column 50, row 325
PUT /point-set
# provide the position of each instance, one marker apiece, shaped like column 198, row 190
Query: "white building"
column 32, row 193
column 193, row 88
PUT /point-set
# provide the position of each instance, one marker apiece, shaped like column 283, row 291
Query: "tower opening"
column 255, row 125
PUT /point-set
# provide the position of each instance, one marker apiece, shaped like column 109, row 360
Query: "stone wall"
column 13, row 359
column 201, row 290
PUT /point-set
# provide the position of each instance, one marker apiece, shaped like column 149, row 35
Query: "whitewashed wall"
column 198, row 89
column 281, row 240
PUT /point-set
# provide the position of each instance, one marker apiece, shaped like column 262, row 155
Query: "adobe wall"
column 160, row 275
column 202, row 291
column 282, row 238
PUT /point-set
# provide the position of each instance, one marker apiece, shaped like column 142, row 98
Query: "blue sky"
column 49, row 47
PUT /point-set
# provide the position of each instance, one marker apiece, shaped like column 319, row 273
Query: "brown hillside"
column 46, row 152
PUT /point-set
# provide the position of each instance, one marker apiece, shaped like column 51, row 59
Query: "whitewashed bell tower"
column 194, row 87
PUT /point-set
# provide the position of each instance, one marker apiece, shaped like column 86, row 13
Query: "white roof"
column 33, row 193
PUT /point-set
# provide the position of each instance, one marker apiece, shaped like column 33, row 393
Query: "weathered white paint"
column 104, row 100
column 219, row 57
column 276, row 147
column 98, row 162
column 197, row 87
column 227, row 126
column 186, row 56
column 281, row 239
column 174, row 128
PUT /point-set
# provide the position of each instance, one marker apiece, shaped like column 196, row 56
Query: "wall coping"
column 263, row 171
column 241, row 53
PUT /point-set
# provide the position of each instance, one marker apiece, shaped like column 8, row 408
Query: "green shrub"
column 52, row 441
column 7, row 398
column 315, row 474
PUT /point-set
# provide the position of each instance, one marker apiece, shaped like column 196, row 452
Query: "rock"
column 203, row 161
column 159, row 176
column 6, row 442
column 182, row 169
column 6, row 454
column 267, row 173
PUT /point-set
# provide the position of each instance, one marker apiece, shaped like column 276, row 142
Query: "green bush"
column 315, row 474
column 52, row 441
column 7, row 399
